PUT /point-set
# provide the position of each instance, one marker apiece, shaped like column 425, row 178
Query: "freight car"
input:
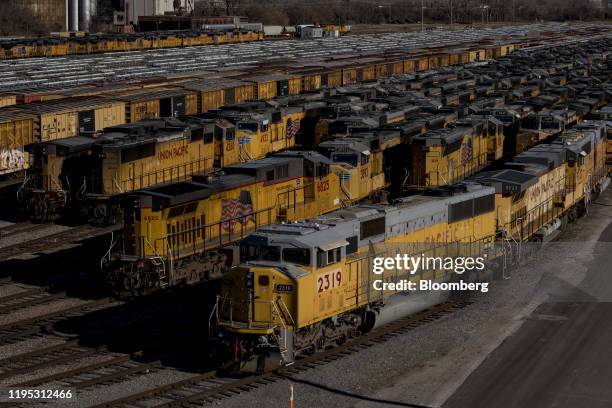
column 201, row 91
column 100, row 43
column 16, row 131
column 309, row 285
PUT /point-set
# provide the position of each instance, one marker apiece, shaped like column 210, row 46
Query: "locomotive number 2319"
column 329, row 280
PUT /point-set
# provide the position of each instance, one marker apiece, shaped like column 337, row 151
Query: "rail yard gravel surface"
column 11, row 289
column 20, row 238
column 38, row 310
column 425, row 366
column 26, row 346
column 98, row 395
column 422, row 367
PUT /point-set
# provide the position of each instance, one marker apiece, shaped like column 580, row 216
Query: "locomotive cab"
column 258, row 312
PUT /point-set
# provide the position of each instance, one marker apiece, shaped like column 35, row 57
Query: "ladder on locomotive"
column 285, row 339
column 160, row 267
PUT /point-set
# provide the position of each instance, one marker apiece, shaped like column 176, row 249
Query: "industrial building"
column 50, row 12
column 134, row 9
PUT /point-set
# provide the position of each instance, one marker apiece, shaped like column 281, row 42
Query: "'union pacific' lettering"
column 173, row 152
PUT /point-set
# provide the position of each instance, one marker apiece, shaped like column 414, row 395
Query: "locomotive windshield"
column 300, row 256
column 250, row 252
column 249, row 126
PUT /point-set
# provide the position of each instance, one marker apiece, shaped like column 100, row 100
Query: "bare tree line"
column 285, row 12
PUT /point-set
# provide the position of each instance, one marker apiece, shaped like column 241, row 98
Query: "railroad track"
column 53, row 241
column 20, row 228
column 27, row 298
column 37, row 325
column 115, row 368
column 210, row 388
column 52, row 356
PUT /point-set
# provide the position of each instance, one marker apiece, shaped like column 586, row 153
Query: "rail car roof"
column 315, row 157
column 549, row 155
column 444, row 136
column 125, row 136
column 506, row 181
column 405, row 215
column 345, row 145
column 172, row 194
column 207, row 85
column 66, row 105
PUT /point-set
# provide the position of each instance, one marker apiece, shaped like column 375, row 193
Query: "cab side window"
column 330, row 257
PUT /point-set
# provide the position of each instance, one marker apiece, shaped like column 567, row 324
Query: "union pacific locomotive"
column 80, row 174
column 173, row 233
column 305, row 286
column 345, row 171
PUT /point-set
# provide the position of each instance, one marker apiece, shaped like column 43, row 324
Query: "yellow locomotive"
column 449, row 155
column 171, row 232
column 305, row 286
column 309, row 285
column 355, row 171
column 259, row 131
column 81, row 173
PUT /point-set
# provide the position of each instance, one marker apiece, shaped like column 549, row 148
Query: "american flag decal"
column 293, row 126
column 237, row 211
column 467, row 153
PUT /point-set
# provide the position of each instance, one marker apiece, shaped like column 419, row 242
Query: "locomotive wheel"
column 572, row 216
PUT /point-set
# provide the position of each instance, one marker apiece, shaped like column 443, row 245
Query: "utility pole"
column 451, row 11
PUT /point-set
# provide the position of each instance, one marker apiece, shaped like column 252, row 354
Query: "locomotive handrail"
column 206, row 245
column 154, row 174
column 286, row 310
column 214, row 309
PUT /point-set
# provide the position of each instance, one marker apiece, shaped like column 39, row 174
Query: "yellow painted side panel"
column 295, row 86
column 349, row 76
column 212, row 100
column 397, row 68
column 144, row 110
column 173, row 161
column 334, row 79
column 110, row 116
column 58, row 126
column 266, row 90
column 13, row 137
column 8, row 100
column 311, row 82
column 409, row 66
column 191, row 104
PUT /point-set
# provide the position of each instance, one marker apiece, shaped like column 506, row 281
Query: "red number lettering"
column 230, row 146
column 323, row 186
column 326, row 282
column 339, row 277
column 320, row 282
